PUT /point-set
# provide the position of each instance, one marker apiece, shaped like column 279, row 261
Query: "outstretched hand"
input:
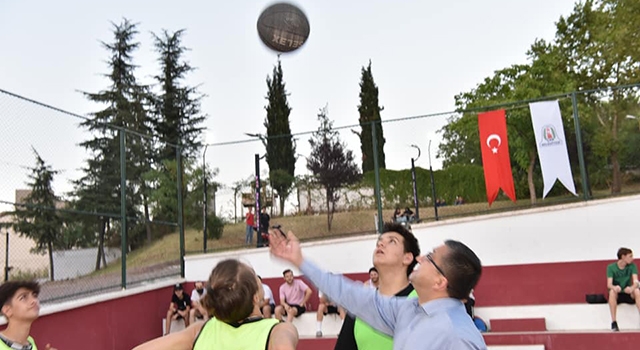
column 285, row 248
column 49, row 347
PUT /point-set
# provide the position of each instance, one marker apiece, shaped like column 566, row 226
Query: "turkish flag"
column 492, row 127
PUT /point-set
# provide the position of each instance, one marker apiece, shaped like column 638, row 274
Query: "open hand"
column 285, row 248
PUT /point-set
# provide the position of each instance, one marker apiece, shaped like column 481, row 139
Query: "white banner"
column 552, row 145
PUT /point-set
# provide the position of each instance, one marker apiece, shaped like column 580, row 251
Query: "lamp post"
column 204, row 204
column 257, row 187
column 433, row 184
column 415, row 183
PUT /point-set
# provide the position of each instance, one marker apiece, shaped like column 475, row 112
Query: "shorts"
column 301, row 309
column 624, row 298
column 331, row 309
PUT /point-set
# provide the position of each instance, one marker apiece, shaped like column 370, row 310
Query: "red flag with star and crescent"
column 492, row 127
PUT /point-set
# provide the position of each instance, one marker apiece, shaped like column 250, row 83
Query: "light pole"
column 204, row 204
column 415, row 183
column 433, row 184
column 257, row 186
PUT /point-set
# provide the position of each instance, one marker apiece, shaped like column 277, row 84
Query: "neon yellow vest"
column 216, row 334
column 368, row 338
column 4, row 346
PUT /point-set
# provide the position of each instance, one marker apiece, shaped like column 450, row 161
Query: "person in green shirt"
column 622, row 283
column 21, row 307
column 234, row 295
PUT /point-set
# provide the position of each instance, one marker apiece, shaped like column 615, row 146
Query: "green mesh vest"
column 249, row 336
column 368, row 338
column 4, row 346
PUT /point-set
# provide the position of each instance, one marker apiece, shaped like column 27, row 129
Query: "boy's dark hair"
column 623, row 251
column 410, row 242
column 463, row 269
column 9, row 289
column 373, row 269
column 230, row 292
column 285, row 271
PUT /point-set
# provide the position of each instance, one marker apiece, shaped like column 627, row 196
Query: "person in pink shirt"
column 294, row 295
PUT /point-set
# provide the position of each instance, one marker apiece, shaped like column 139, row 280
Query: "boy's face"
column 24, row 305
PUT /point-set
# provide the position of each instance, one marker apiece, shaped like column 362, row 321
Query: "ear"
column 441, row 283
column 407, row 259
column 6, row 311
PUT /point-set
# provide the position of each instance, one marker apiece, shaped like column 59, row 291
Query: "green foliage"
column 280, row 148
column 456, row 180
column 369, row 110
column 37, row 218
column 331, row 164
column 215, row 227
column 178, row 116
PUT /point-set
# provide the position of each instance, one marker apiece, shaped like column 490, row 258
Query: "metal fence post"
column 376, row 170
column 123, row 207
column 583, row 169
column 180, row 209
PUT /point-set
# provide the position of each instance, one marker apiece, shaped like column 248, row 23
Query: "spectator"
column 459, row 201
column 373, row 281
column 268, row 303
column 178, row 308
column 197, row 309
column 250, row 222
column 393, row 259
column 20, row 307
column 233, row 301
column 294, row 295
column 622, row 283
column 326, row 307
column 263, row 235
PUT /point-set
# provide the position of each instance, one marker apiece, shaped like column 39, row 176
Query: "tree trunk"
column 309, row 202
column 100, row 242
column 50, row 248
column 532, row 186
column 329, row 213
column 235, row 207
column 282, row 200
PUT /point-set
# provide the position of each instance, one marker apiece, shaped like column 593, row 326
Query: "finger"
column 291, row 236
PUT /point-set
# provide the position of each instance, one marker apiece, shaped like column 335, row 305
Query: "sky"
column 423, row 53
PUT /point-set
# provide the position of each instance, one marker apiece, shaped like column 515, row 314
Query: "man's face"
column 199, row 285
column 179, row 293
column 288, row 277
column 373, row 275
column 628, row 259
column 23, row 306
column 426, row 274
column 389, row 250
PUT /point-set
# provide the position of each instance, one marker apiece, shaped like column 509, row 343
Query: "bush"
column 215, row 227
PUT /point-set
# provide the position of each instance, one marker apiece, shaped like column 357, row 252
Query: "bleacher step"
column 518, row 325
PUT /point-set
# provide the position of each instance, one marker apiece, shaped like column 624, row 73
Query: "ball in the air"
column 283, row 27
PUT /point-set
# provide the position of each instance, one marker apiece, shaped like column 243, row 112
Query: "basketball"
column 283, row 27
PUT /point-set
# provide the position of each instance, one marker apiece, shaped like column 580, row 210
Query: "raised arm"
column 378, row 311
column 182, row 340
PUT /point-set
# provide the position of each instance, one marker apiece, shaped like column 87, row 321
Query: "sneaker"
column 319, row 334
column 614, row 326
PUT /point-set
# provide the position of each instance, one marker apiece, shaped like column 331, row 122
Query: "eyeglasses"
column 429, row 257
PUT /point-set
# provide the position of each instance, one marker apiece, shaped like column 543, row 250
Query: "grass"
column 314, row 227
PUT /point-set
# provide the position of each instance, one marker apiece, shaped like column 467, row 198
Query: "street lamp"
column 415, row 183
column 433, row 184
column 257, row 186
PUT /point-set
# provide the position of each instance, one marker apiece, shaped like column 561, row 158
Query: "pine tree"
column 332, row 165
column 37, row 217
column 99, row 189
column 280, row 148
column 370, row 112
column 177, row 109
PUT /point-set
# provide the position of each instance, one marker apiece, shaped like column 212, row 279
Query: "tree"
column 99, row 188
column 599, row 44
column 37, row 218
column 332, row 165
column 178, row 115
column 370, row 113
column 279, row 142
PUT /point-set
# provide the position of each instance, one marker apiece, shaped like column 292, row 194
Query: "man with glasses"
column 435, row 320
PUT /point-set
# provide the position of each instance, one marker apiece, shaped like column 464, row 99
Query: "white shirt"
column 195, row 297
column 268, row 294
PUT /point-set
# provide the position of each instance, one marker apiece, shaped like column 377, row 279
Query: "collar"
column 434, row 306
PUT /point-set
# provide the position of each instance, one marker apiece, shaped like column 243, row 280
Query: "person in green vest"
column 21, row 307
column 622, row 283
column 234, row 295
column 394, row 258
